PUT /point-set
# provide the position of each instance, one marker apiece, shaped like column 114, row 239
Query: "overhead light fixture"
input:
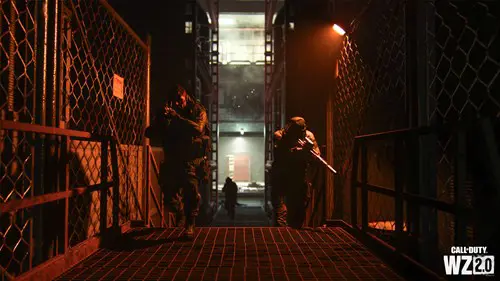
column 209, row 19
column 339, row 30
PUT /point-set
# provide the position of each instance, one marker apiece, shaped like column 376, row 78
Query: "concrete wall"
column 253, row 146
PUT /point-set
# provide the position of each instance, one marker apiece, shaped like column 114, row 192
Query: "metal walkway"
column 234, row 253
column 244, row 216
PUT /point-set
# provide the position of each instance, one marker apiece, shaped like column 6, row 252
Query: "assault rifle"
column 308, row 144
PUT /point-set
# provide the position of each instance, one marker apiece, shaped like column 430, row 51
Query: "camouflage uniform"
column 184, row 150
column 290, row 183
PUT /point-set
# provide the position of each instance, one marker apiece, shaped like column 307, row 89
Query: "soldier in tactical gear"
column 290, row 180
column 181, row 125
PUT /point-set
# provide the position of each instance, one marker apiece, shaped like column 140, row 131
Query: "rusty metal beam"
column 15, row 205
column 270, row 13
column 32, row 128
column 213, row 12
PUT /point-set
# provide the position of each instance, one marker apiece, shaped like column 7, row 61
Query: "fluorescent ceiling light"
column 209, row 19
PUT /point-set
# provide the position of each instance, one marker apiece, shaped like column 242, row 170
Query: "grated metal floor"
column 244, row 216
column 234, row 253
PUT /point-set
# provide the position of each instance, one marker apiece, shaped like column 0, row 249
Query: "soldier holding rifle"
column 181, row 125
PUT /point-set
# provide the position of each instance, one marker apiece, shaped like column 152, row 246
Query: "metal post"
column 104, row 192
column 416, row 90
column 63, row 115
column 459, row 181
column 12, row 53
column 268, row 96
column 364, row 187
column 116, row 184
column 398, row 188
column 40, row 114
column 354, row 184
column 214, row 107
column 194, row 33
column 413, row 180
column 427, row 147
column 146, row 148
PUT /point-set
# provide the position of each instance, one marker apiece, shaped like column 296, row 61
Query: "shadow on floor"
column 244, row 216
column 143, row 238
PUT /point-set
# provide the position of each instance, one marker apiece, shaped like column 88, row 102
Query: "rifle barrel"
column 324, row 162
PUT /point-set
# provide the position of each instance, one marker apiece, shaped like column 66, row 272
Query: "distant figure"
column 230, row 190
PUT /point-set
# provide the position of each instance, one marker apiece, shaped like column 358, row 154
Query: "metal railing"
column 151, row 194
column 414, row 64
column 403, row 215
column 78, row 191
column 58, row 96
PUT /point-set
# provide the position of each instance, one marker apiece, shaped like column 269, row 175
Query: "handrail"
column 448, row 127
column 457, row 208
column 152, row 159
column 155, row 165
column 24, row 203
column 34, row 128
column 421, row 200
column 463, row 214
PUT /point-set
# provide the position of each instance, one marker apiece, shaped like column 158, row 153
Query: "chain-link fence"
column 63, row 118
column 407, row 64
column 371, row 90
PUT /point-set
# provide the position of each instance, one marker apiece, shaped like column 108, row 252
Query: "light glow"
column 209, row 19
column 226, row 21
column 385, row 225
column 239, row 145
column 339, row 30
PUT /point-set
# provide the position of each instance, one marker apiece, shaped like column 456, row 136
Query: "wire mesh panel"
column 18, row 59
column 464, row 71
column 85, row 168
column 62, row 63
column 455, row 78
column 18, row 47
column 16, row 181
column 98, row 48
column 371, row 94
column 464, row 84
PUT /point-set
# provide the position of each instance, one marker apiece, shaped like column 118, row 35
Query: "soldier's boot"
column 189, row 228
column 180, row 219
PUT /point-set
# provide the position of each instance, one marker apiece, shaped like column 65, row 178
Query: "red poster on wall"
column 241, row 168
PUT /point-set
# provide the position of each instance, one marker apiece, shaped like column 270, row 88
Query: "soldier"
column 230, row 190
column 181, row 126
column 289, row 173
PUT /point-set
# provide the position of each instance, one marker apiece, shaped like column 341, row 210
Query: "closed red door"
column 241, row 168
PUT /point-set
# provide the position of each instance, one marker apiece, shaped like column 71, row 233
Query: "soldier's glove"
column 296, row 149
column 170, row 112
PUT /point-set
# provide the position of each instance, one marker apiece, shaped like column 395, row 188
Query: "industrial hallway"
column 234, row 253
column 403, row 99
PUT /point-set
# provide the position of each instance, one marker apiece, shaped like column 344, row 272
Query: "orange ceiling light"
column 339, row 30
